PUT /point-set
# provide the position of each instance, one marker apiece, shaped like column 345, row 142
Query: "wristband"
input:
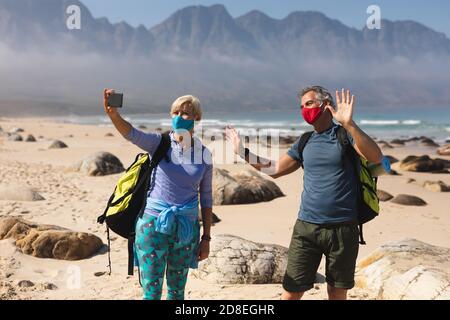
column 206, row 238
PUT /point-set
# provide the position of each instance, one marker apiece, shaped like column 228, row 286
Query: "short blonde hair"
column 191, row 101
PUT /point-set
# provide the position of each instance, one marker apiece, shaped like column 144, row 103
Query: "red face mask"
column 312, row 114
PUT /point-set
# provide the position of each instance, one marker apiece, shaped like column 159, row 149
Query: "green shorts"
column 339, row 243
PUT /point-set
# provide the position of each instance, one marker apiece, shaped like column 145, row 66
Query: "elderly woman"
column 168, row 234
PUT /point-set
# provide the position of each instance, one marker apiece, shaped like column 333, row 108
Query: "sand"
column 74, row 201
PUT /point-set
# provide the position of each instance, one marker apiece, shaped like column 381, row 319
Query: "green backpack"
column 368, row 201
column 128, row 200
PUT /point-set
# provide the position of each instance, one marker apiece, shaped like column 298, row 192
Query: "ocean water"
column 387, row 125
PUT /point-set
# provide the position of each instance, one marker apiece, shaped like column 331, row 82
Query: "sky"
column 432, row 13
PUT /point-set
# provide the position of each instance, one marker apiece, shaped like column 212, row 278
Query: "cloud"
column 223, row 83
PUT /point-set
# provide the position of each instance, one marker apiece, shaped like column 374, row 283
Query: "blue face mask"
column 178, row 124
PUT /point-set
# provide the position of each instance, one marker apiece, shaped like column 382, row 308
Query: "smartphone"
column 115, row 100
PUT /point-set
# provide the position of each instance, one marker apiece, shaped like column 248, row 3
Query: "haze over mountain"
column 252, row 62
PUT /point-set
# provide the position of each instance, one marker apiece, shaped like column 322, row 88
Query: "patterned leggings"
column 158, row 253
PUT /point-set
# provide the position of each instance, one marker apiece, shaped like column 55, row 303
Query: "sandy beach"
column 74, row 201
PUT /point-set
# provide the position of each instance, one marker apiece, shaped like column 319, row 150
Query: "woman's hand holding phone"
column 110, row 111
column 121, row 125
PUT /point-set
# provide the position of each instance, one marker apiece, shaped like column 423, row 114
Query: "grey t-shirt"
column 329, row 193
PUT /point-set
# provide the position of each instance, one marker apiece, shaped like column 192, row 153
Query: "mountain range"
column 252, row 61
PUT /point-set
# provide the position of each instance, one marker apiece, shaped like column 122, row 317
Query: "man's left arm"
column 364, row 145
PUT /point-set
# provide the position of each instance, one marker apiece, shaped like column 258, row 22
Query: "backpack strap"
column 302, row 144
column 347, row 148
column 131, row 240
column 348, row 152
column 361, row 237
column 160, row 153
column 109, row 250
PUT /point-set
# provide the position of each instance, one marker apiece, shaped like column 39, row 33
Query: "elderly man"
column 327, row 220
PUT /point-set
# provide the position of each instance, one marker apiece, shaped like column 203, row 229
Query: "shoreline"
column 216, row 127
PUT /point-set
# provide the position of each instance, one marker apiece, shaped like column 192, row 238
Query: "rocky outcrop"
column 408, row 200
column 46, row 241
column 398, row 141
column 234, row 260
column 30, row 138
column 422, row 164
column 406, row 270
column 428, row 142
column 244, row 187
column 19, row 193
column 15, row 137
column 100, row 164
column 444, row 151
column 16, row 130
column 436, row 186
column 57, row 144
column 384, row 196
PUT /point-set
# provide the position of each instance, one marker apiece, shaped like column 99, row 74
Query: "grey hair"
column 322, row 94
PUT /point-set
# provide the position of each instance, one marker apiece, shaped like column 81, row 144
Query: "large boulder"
column 415, row 139
column 57, row 144
column 233, row 260
column 30, row 138
column 444, row 151
column 19, row 193
column 445, row 162
column 436, row 186
column 100, row 164
column 407, row 200
column 16, row 130
column 15, row 137
column 244, row 187
column 406, row 270
column 428, row 142
column 46, row 241
column 398, row 141
column 421, row 164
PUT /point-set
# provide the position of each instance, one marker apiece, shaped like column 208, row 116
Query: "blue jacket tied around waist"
column 184, row 216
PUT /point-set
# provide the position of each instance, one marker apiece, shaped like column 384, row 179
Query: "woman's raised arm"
column 146, row 141
column 123, row 126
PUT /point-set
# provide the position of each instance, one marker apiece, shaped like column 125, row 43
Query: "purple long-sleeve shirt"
column 184, row 177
